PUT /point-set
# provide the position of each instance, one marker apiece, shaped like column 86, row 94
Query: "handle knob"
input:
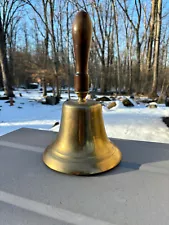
column 82, row 35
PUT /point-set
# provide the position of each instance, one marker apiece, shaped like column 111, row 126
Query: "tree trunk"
column 151, row 35
column 118, row 51
column 54, row 48
column 157, row 48
column 138, row 78
column 130, row 76
column 103, row 78
column 4, row 64
column 68, row 62
column 46, row 41
column 44, row 86
column 57, row 86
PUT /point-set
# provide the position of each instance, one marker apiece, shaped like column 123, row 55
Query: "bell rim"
column 93, row 167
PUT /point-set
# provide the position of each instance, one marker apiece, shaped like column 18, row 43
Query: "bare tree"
column 49, row 19
column 129, row 35
column 68, row 48
column 151, row 34
column 55, row 48
column 117, row 44
column 157, row 36
column 136, row 27
column 4, row 63
column 12, row 39
column 8, row 13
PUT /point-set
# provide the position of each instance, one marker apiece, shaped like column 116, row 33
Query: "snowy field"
column 135, row 123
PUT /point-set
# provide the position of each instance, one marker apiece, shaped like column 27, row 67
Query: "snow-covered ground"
column 135, row 123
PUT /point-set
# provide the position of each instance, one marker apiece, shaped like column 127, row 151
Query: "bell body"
column 82, row 146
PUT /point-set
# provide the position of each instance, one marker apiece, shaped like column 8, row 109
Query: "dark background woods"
column 129, row 50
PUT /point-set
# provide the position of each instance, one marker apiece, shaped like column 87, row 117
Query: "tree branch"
column 126, row 12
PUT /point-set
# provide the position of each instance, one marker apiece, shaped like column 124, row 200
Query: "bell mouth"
column 82, row 166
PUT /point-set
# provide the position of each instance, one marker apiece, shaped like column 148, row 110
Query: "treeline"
column 129, row 50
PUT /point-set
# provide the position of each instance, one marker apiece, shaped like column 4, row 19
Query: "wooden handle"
column 82, row 35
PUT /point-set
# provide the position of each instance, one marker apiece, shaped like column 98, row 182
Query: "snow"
column 133, row 123
column 153, row 103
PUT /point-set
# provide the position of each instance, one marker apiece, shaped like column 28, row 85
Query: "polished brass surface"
column 82, row 146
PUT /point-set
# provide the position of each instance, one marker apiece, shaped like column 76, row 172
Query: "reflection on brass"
column 82, row 146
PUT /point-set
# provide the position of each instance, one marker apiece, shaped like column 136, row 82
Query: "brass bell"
column 82, row 146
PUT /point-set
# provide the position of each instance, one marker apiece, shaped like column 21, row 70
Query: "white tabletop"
column 134, row 193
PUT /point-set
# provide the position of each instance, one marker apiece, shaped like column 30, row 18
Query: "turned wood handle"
column 82, row 35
